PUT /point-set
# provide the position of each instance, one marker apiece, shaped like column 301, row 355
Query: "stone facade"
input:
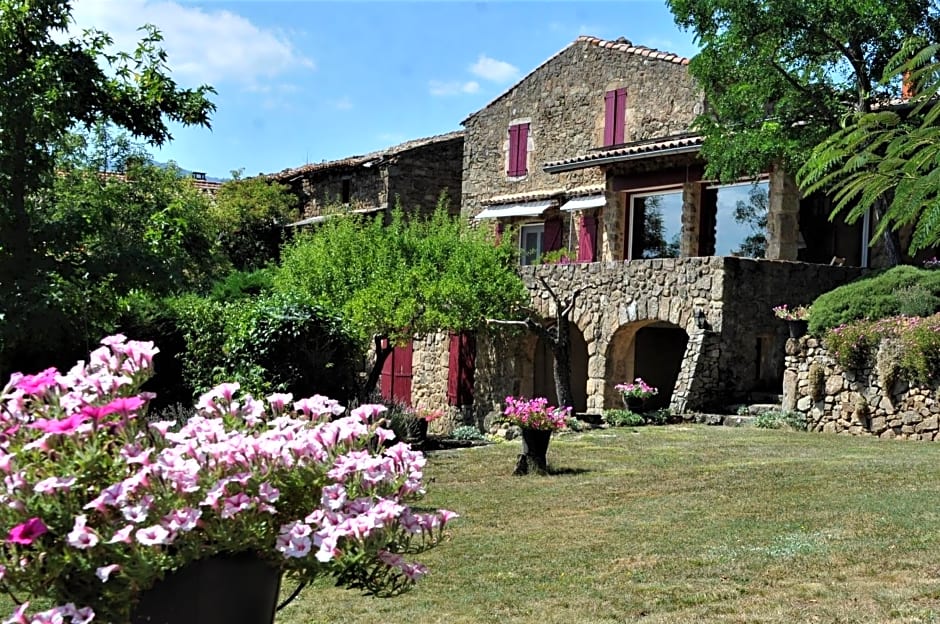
column 859, row 402
column 739, row 349
column 563, row 102
column 413, row 173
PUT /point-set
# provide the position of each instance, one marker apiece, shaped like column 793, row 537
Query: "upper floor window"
column 518, row 146
column 615, row 116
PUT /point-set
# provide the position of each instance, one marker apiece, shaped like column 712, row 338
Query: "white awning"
column 522, row 209
column 583, row 203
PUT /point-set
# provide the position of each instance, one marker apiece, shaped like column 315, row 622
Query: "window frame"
column 539, row 228
column 518, row 157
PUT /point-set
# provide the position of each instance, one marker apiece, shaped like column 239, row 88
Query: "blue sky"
column 307, row 81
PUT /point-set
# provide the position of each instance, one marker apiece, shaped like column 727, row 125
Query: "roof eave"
column 607, row 160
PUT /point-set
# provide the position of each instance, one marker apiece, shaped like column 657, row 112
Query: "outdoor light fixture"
column 700, row 321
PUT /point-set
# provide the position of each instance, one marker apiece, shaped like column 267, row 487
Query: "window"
column 530, row 243
column 518, row 146
column 461, row 367
column 615, row 115
column 347, row 190
column 655, row 225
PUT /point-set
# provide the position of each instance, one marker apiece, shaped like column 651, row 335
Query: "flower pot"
column 534, row 449
column 417, row 430
column 225, row 589
column 797, row 328
column 634, row 404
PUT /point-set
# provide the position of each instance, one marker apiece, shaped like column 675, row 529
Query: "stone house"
column 413, row 174
column 591, row 156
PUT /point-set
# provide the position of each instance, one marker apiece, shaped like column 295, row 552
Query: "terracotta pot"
column 225, row 589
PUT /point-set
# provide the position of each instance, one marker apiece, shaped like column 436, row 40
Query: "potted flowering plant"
column 103, row 508
column 538, row 420
column 636, row 393
column 796, row 318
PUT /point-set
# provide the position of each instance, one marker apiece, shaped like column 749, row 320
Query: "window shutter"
column 610, row 115
column 500, row 228
column 513, row 149
column 453, row 370
column 522, row 151
column 587, row 235
column 552, row 240
column 620, row 116
column 468, row 357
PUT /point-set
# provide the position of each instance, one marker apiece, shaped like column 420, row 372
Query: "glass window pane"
column 741, row 225
column 656, row 226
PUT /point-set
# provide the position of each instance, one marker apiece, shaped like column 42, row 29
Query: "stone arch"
column 652, row 349
column 543, row 379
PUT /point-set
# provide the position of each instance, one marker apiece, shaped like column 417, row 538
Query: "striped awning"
column 521, row 209
column 584, row 203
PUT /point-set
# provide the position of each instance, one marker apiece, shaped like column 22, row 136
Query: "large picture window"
column 741, row 222
column 655, row 225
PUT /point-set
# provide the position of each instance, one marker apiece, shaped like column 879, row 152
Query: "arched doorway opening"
column 544, row 377
column 652, row 350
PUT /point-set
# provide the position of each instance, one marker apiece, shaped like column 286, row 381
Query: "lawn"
column 674, row 524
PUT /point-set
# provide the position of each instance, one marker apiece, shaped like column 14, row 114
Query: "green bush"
column 623, row 418
column 919, row 353
column 900, row 290
column 243, row 284
column 467, row 432
column 774, row 419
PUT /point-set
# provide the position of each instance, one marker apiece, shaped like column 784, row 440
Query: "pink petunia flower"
column 26, row 532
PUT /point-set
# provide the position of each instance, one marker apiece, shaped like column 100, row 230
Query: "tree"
column 778, row 75
column 52, row 83
column 392, row 282
column 253, row 213
column 889, row 157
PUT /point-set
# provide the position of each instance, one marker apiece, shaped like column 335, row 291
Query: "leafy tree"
column 52, row 83
column 889, row 156
column 253, row 213
column 392, row 282
column 778, row 75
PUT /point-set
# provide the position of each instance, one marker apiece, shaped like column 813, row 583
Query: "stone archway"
column 651, row 349
column 543, row 383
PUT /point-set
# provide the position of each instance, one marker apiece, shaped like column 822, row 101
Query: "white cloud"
column 494, row 70
column 203, row 46
column 452, row 87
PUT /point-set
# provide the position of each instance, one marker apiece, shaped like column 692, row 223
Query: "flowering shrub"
column 429, row 415
column 919, row 340
column 99, row 504
column 535, row 413
column 639, row 389
column 799, row 313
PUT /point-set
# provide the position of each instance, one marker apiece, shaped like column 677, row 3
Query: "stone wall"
column 320, row 191
column 417, row 177
column 859, row 402
column 563, row 101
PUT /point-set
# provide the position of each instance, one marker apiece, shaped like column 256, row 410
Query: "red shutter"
column 522, row 168
column 385, row 387
column 620, row 116
column 453, row 370
column 513, row 150
column 468, row 357
column 610, row 115
column 587, row 235
column 500, row 228
column 552, row 235
column 401, row 384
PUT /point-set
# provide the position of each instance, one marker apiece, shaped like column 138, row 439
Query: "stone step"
column 756, row 409
column 764, row 397
column 735, row 420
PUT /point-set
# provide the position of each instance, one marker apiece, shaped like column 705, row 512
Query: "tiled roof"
column 622, row 45
column 686, row 143
column 555, row 193
column 354, row 161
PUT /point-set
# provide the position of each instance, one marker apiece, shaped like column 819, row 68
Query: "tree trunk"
column 891, row 240
column 381, row 354
column 561, row 350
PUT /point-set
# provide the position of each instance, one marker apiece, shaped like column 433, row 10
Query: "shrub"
column 623, row 418
column 243, row 284
column 774, row 419
column 900, row 290
column 919, row 353
column 467, row 432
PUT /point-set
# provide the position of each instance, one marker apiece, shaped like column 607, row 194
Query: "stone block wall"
column 859, row 402
column 417, row 177
column 563, row 101
column 320, row 190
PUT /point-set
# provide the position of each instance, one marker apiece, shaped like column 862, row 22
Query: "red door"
column 396, row 375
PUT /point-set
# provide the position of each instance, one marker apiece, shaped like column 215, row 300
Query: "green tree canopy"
column 405, row 278
column 778, row 75
column 53, row 83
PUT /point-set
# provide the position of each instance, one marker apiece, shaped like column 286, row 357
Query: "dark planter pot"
column 797, row 328
column 417, row 430
column 534, row 449
column 226, row 589
column 634, row 404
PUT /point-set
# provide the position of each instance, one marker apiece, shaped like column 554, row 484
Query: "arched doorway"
column 544, row 378
column 652, row 350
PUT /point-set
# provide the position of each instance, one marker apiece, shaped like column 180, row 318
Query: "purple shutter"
column 468, row 357
column 587, row 234
column 610, row 116
column 513, row 149
column 522, row 150
column 453, row 370
column 552, row 235
column 620, row 116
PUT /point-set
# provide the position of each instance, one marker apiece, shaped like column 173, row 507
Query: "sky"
column 303, row 82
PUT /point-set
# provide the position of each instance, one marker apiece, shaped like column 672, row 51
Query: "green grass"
column 674, row 524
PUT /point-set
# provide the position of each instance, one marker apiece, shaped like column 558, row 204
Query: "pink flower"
column 105, row 572
column 153, row 536
column 52, row 484
column 66, row 425
column 26, row 532
column 123, row 536
column 39, row 383
column 81, row 536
